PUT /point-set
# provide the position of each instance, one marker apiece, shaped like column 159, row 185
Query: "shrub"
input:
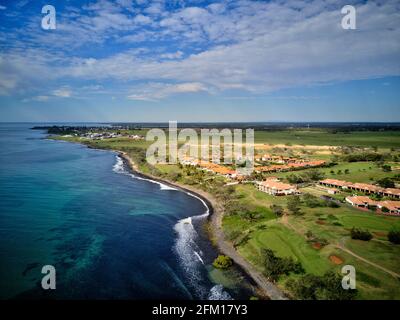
column 277, row 210
column 394, row 236
column 333, row 204
column 293, row 205
column 386, row 168
column 386, row 183
column 326, row 287
column 359, row 234
column 222, row 262
column 276, row 266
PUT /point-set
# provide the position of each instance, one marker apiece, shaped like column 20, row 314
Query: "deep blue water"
column 107, row 233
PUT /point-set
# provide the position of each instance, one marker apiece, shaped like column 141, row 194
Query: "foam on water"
column 186, row 248
column 119, row 165
column 119, row 168
column 188, row 253
column 217, row 293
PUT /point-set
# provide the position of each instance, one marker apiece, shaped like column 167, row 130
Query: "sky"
column 199, row 60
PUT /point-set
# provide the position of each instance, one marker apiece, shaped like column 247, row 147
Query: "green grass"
column 358, row 172
column 286, row 243
column 319, row 137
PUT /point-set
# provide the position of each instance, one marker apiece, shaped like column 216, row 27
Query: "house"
column 332, row 191
column 391, row 192
column 333, row 183
column 277, row 188
column 361, row 201
column 393, row 207
column 365, row 187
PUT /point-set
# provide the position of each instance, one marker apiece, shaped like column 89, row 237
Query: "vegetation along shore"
column 287, row 225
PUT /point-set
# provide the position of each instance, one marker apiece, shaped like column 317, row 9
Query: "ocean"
column 109, row 233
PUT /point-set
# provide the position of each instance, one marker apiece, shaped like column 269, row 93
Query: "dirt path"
column 341, row 246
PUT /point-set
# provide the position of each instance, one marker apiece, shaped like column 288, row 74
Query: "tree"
column 347, row 171
column 313, row 175
column 359, row 234
column 293, row 205
column 312, row 201
column 275, row 266
column 325, row 287
column 386, row 183
column 277, row 210
column 386, row 168
column 222, row 262
column 394, row 236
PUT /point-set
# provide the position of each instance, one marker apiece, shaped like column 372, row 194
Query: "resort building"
column 361, row 187
column 386, row 207
column 393, row 207
column 361, row 201
column 366, row 188
column 290, row 166
column 333, row 183
column 391, row 192
column 276, row 188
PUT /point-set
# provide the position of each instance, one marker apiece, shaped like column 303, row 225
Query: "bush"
column 386, row 183
column 332, row 204
column 357, row 157
column 394, row 236
column 326, row 287
column 312, row 201
column 222, row 262
column 276, row 266
column 277, row 210
column 359, row 234
column 293, row 205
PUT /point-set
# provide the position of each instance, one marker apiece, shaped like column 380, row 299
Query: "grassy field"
column 367, row 172
column 321, row 137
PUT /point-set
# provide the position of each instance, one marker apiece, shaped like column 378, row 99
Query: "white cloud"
column 40, row 98
column 158, row 91
column 3, row 7
column 174, row 55
column 63, row 92
column 244, row 46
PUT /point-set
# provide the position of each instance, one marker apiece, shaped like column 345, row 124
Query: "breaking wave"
column 189, row 253
column 119, row 168
column 217, row 293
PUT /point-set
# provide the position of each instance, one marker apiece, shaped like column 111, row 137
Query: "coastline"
column 267, row 288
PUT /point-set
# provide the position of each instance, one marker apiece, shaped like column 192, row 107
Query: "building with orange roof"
column 391, row 192
column 335, row 183
column 277, row 188
column 393, row 207
column 365, row 187
column 361, row 201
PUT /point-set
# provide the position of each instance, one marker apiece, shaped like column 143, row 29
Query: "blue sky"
column 194, row 60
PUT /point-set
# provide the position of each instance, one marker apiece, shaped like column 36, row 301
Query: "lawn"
column 330, row 224
column 367, row 172
column 321, row 137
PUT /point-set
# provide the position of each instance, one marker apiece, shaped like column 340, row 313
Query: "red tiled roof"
column 335, row 182
column 277, row 185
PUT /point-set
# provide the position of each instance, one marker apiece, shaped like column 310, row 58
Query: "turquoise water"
column 107, row 233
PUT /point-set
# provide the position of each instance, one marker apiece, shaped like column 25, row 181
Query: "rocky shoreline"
column 267, row 288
